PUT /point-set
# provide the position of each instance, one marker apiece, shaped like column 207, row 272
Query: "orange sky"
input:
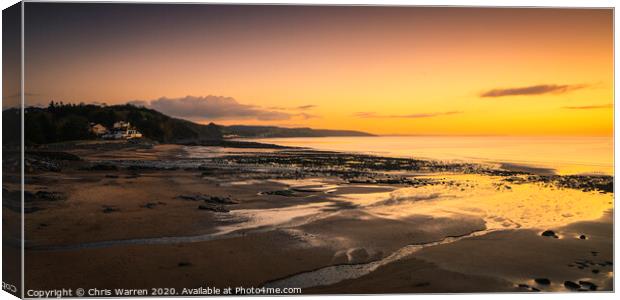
column 380, row 70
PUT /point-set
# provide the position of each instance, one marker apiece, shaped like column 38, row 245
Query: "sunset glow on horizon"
column 382, row 70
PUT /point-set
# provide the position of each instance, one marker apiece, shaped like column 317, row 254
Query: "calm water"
column 566, row 155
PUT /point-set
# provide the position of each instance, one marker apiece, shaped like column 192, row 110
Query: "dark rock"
column 190, row 197
column 221, row 200
column 606, row 187
column 588, row 285
column 582, row 237
column 302, row 190
column 533, row 289
column 595, row 271
column 43, row 196
column 110, row 209
column 149, row 205
column 101, row 167
column 549, row 233
column 46, row 165
column 571, row 285
column 208, row 199
column 522, row 285
column 184, row 264
column 285, row 193
column 213, row 207
column 543, row 281
column 111, row 176
column 49, row 196
column 515, row 179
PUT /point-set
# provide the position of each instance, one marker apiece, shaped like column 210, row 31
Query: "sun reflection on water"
column 501, row 205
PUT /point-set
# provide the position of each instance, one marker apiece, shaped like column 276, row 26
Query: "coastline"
column 227, row 217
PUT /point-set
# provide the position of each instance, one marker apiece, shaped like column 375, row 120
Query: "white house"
column 98, row 129
column 121, row 125
column 133, row 134
column 122, row 131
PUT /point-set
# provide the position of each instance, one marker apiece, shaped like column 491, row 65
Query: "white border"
column 498, row 3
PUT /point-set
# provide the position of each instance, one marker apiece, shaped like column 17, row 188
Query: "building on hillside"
column 98, row 129
column 121, row 125
column 122, row 131
column 133, row 134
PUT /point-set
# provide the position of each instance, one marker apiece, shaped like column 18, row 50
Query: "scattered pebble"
column 285, row 193
column 110, row 209
column 543, row 281
column 588, row 285
column 150, row 205
column 549, row 233
column 208, row 199
column 571, row 285
column 213, row 207
column 523, row 285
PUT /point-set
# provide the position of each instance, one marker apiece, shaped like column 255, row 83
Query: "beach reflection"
column 500, row 204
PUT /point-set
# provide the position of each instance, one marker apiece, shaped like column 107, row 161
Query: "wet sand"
column 175, row 216
column 500, row 261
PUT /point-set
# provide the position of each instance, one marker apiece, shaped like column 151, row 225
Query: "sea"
column 558, row 155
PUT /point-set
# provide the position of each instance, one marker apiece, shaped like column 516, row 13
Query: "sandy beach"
column 173, row 216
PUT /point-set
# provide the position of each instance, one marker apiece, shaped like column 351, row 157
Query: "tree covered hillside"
column 63, row 122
